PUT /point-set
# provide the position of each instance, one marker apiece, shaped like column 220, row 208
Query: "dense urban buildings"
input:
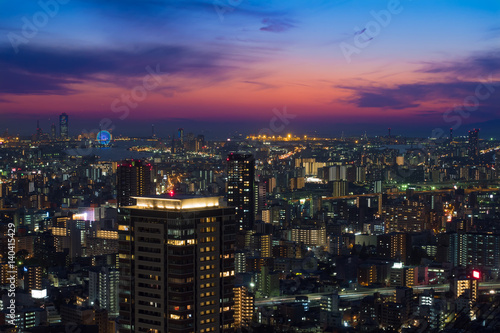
column 252, row 235
column 249, row 166
column 292, row 234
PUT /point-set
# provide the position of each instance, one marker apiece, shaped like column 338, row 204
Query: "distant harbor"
column 117, row 152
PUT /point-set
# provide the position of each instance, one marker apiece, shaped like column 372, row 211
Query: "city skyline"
column 249, row 166
column 334, row 65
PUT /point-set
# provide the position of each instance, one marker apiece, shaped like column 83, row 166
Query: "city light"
column 237, row 166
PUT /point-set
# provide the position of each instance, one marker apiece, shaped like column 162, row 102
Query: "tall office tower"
column 260, row 197
column 39, row 131
column 176, row 265
column 180, row 135
column 451, row 134
column 474, row 144
column 241, row 187
column 103, row 288
column 63, row 126
column 53, row 134
column 133, row 179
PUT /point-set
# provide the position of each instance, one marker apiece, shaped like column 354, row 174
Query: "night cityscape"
column 249, row 166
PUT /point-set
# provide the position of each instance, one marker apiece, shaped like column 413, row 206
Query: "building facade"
column 133, row 179
column 241, row 188
column 177, row 265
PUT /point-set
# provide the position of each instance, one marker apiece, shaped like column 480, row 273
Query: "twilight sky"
column 224, row 65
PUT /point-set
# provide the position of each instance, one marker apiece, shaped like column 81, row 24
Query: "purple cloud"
column 49, row 70
column 276, row 25
column 413, row 95
column 477, row 65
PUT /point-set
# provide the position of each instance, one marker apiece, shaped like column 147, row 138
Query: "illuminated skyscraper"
column 176, row 265
column 181, row 136
column 244, row 303
column 241, row 187
column 63, row 126
column 474, row 144
column 33, row 278
column 39, row 131
column 133, row 179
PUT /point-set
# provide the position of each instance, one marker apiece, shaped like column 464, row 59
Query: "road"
column 362, row 292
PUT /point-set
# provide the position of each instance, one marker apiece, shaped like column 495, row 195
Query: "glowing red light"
column 476, row 274
column 171, row 193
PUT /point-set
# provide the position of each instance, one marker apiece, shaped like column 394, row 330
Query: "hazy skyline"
column 225, row 65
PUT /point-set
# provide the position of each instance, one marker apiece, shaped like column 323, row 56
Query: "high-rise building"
column 474, row 144
column 330, row 315
column 53, row 134
column 403, row 276
column 308, row 235
column 473, row 249
column 39, row 131
column 406, row 217
column 176, row 265
column 394, row 246
column 133, row 179
column 241, row 187
column 199, row 143
column 465, row 292
column 63, row 126
column 103, row 288
column 340, row 188
column 367, row 275
column 33, row 278
column 244, row 303
column 180, row 134
column 262, row 244
column 404, row 296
